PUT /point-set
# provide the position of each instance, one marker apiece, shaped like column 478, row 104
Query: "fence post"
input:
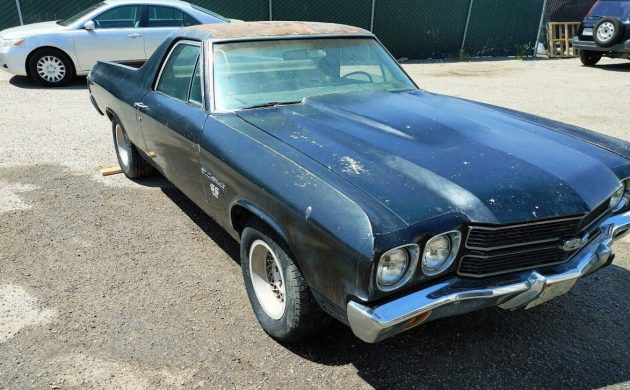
column 372, row 16
column 470, row 5
column 270, row 9
column 19, row 9
column 540, row 26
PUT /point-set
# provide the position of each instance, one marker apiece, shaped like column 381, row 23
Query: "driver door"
column 117, row 36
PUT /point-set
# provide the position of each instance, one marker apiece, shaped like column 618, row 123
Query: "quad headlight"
column 439, row 252
column 620, row 197
column 396, row 266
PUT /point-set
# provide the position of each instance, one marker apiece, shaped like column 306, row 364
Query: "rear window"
column 603, row 8
column 207, row 11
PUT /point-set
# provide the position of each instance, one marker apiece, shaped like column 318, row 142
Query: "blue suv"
column 604, row 32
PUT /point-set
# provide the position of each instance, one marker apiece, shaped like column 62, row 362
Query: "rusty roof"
column 236, row 30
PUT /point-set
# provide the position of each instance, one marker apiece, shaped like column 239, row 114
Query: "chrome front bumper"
column 458, row 296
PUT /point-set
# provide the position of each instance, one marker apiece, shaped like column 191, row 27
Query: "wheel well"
column 32, row 53
column 239, row 216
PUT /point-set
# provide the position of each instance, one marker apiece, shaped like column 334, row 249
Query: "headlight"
column 11, row 42
column 439, row 252
column 617, row 198
column 396, row 266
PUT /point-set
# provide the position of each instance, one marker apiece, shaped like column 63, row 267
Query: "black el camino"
column 355, row 193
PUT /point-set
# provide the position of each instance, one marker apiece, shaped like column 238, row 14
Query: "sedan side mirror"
column 89, row 25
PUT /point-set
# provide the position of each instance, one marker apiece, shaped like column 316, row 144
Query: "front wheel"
column 277, row 291
column 51, row 68
column 590, row 58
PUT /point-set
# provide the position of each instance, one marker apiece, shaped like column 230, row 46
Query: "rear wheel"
column 590, row 58
column 51, row 68
column 131, row 162
column 277, row 291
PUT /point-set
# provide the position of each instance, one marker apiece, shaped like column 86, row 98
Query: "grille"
column 497, row 250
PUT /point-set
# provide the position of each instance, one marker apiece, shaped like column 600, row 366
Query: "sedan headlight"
column 396, row 266
column 439, row 252
column 11, row 42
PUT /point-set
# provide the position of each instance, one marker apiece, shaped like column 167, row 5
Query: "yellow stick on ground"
column 111, row 171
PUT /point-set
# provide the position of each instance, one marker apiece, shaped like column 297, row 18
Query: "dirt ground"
column 110, row 283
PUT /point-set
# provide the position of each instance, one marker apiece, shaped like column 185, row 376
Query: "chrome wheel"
column 606, row 31
column 267, row 279
column 122, row 146
column 51, row 69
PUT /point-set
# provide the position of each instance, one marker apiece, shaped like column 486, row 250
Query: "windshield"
column 248, row 74
column 620, row 9
column 207, row 11
column 81, row 14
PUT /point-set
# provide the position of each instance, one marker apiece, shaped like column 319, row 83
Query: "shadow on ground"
column 615, row 67
column 27, row 83
column 580, row 340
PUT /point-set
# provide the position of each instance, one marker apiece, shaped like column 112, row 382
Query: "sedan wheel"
column 51, row 68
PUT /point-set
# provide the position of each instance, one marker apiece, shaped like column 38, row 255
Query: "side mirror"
column 89, row 25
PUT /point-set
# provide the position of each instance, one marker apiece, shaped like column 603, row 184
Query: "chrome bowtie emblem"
column 574, row 243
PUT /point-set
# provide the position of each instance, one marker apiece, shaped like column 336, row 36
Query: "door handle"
column 141, row 106
column 134, row 35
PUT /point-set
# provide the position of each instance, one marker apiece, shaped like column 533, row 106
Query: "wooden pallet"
column 560, row 39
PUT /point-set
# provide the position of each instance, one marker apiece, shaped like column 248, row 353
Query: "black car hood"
column 424, row 155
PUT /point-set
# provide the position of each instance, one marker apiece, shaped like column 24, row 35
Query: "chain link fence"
column 564, row 11
column 409, row 28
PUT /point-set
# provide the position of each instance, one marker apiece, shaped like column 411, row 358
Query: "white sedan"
column 125, row 31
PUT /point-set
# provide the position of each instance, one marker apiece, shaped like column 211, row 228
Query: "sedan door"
column 117, row 36
column 160, row 22
column 172, row 116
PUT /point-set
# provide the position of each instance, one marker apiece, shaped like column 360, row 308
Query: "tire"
column 608, row 31
column 130, row 160
column 51, row 68
column 590, row 58
column 298, row 314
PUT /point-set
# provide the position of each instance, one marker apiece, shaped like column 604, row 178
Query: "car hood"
column 32, row 29
column 424, row 155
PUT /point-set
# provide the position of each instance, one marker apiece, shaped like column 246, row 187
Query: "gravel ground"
column 109, row 283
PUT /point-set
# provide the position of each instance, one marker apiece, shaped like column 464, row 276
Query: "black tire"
column 54, row 60
column 604, row 36
column 590, row 58
column 301, row 315
column 130, row 160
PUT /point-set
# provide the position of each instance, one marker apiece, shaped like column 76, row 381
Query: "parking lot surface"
column 105, row 282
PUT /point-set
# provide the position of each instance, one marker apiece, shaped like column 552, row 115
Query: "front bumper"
column 623, row 47
column 458, row 296
column 13, row 59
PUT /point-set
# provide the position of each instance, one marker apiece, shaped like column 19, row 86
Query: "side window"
column 195, row 88
column 159, row 16
column 178, row 71
column 127, row 16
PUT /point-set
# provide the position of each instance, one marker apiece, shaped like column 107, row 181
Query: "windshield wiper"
column 270, row 104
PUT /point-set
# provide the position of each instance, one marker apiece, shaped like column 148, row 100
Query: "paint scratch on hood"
column 351, row 165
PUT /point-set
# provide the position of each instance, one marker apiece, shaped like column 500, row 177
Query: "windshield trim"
column 210, row 55
column 93, row 9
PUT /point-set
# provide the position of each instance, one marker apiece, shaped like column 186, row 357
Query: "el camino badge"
column 574, row 243
column 216, row 185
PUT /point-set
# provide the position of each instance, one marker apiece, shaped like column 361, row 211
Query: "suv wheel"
column 608, row 32
column 590, row 58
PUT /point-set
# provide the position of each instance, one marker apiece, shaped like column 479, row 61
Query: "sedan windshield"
column 620, row 9
column 79, row 15
column 259, row 73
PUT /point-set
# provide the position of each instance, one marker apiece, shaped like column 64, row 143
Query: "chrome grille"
column 496, row 250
